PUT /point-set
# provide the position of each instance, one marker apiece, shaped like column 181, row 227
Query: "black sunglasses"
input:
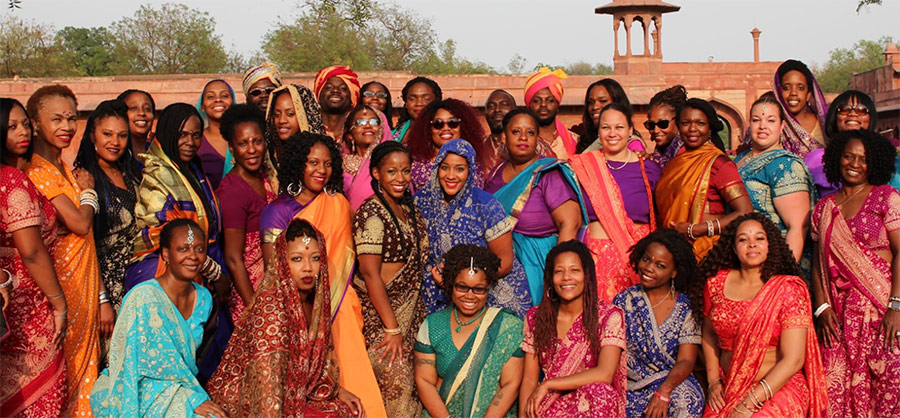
column 260, row 90
column 662, row 123
column 477, row 290
column 452, row 123
column 845, row 109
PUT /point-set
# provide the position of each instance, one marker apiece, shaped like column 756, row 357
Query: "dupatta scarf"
column 794, row 137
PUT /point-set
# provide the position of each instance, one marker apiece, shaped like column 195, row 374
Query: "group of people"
column 305, row 254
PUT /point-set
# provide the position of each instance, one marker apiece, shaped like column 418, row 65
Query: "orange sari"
column 75, row 260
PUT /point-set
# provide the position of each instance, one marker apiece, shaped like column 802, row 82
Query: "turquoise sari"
column 532, row 251
column 152, row 369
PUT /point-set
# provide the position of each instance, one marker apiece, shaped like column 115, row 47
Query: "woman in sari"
column 292, row 108
column 141, row 109
column 541, row 196
column 280, row 360
column 662, row 330
column 243, row 193
column 596, row 97
column 33, row 382
column 392, row 245
column 661, row 124
column 778, row 182
column 617, row 185
column 310, row 182
column 697, row 184
column 364, row 128
column 215, row 98
column 458, row 212
column 468, row 360
column 416, row 94
column 438, row 123
column 174, row 187
column 762, row 355
column 856, row 277
column 75, row 254
column 576, row 340
column 152, row 368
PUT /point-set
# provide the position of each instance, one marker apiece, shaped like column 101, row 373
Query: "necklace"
column 627, row 160
column 462, row 324
column 671, row 294
column 852, row 196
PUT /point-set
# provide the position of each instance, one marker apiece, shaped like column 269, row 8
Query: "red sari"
column 33, row 378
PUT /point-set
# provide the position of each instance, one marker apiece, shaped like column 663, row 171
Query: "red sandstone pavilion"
column 730, row 86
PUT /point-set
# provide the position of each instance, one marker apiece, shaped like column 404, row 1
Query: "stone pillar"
column 628, row 23
column 616, row 37
column 646, row 28
column 755, row 33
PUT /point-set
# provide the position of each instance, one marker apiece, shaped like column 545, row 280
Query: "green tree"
column 173, row 39
column 27, row 49
column 89, row 50
column 400, row 37
column 865, row 55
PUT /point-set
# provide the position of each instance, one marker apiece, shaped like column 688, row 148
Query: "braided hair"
column 673, row 97
column 380, row 152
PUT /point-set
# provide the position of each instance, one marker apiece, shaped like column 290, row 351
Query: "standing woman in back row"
column 217, row 96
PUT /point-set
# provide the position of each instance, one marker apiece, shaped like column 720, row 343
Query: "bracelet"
column 745, row 411
column 719, row 225
column 718, row 379
column 662, row 398
column 392, row 331
column 9, row 280
column 709, row 228
column 104, row 298
column 821, row 309
column 755, row 400
column 767, row 388
column 61, row 314
column 56, row 296
column 690, row 232
column 211, row 270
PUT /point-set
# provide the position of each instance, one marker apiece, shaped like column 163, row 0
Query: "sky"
column 555, row 32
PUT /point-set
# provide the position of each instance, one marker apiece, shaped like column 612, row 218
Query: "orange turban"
column 545, row 79
column 344, row 73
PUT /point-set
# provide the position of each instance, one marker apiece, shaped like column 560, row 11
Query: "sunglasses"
column 662, row 123
column 452, row 123
column 380, row 94
column 846, row 109
column 259, row 91
column 370, row 122
column 477, row 291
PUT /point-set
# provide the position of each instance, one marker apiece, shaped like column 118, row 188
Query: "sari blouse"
column 630, row 181
column 878, row 216
column 773, row 174
column 241, row 206
column 212, row 162
column 551, row 191
column 725, row 185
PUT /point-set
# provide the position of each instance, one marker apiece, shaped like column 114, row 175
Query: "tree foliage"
column 88, row 50
column 865, row 55
column 27, row 49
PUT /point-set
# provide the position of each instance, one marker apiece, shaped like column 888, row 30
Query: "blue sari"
column 152, row 368
column 472, row 216
column 653, row 350
column 531, row 251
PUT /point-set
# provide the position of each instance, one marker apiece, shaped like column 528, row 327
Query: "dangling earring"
column 380, row 189
column 294, row 189
column 328, row 191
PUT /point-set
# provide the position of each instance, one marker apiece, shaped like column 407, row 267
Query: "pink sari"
column 358, row 186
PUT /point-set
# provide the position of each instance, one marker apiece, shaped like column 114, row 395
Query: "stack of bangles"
column 392, row 331
column 211, row 270
column 757, row 403
column 89, row 197
column 9, row 280
column 821, row 309
column 104, row 298
column 713, row 228
column 665, row 399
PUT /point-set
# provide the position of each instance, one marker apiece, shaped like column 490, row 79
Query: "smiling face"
column 663, row 137
column 441, row 132
column 765, row 126
column 614, row 131
column 56, row 121
column 285, row 117
column 370, row 97
column 545, row 106
column 795, row 90
column 217, row 99
column 140, row 114
column 248, row 146
column 521, row 136
column 110, row 138
column 850, row 118
column 751, row 244
column 335, row 96
column 184, row 256
column 417, row 97
column 854, row 168
column 304, row 261
column 394, row 174
column 470, row 304
column 597, row 98
column 365, row 135
column 189, row 139
column 453, row 173
column 568, row 277
column 656, row 267
column 18, row 132
column 318, row 168
column 694, row 127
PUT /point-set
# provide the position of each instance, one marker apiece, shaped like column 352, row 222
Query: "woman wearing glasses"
column 438, row 123
column 661, row 124
column 364, row 128
column 377, row 96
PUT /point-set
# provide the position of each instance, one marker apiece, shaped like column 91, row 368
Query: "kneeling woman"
column 152, row 369
column 758, row 316
column 280, row 360
column 468, row 360
column 577, row 340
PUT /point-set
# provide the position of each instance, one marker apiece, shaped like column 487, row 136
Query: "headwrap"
column 306, row 108
column 344, row 73
column 542, row 79
column 795, row 138
column 199, row 105
column 259, row 72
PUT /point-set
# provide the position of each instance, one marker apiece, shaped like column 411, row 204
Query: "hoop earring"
column 294, row 189
column 551, row 294
column 328, row 191
column 380, row 189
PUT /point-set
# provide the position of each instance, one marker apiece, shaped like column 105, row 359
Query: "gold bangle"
column 393, row 331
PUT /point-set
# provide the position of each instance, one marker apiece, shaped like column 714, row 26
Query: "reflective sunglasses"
column 845, row 109
column 380, row 94
column 452, row 123
column 370, row 122
column 478, row 290
column 260, row 90
column 662, row 123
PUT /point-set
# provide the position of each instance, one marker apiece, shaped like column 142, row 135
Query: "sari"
column 683, row 192
column 357, row 175
column 279, row 362
column 531, row 250
column 472, row 216
column 653, row 351
column 857, row 282
column 75, row 261
column 794, row 137
column 470, row 375
column 376, row 233
column 399, row 132
column 422, row 171
column 33, row 380
column 152, row 368
column 749, row 328
column 572, row 354
column 332, row 216
column 611, row 254
column 663, row 157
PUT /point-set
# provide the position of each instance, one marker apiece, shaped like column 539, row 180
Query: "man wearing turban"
column 258, row 83
column 543, row 94
column 337, row 89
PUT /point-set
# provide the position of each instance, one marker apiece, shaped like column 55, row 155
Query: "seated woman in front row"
column 152, row 369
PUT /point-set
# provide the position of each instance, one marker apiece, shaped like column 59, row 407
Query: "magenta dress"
column 212, row 162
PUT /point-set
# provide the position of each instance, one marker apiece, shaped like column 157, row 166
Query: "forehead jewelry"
column 306, row 240
column 190, row 238
column 471, row 266
column 764, row 107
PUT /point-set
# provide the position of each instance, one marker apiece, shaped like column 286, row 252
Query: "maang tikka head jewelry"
column 471, row 267
column 190, row 237
column 306, row 240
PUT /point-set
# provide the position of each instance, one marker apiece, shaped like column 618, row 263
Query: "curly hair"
column 463, row 256
column 616, row 94
column 240, row 113
column 715, row 124
column 381, row 151
column 780, row 259
column 433, row 85
column 296, row 152
column 880, row 155
column 33, row 106
column 545, row 325
column 687, row 280
column 673, row 97
column 831, row 128
column 419, row 137
column 6, row 106
column 388, row 106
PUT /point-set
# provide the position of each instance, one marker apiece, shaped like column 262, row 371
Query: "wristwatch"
column 894, row 304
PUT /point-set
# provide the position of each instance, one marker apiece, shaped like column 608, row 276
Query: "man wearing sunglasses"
column 258, row 82
column 337, row 89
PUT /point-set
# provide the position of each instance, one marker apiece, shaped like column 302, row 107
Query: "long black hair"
column 6, row 105
column 381, row 151
column 168, row 129
column 88, row 160
column 388, row 105
column 616, row 95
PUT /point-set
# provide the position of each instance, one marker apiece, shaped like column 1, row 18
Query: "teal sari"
column 152, row 369
column 532, row 251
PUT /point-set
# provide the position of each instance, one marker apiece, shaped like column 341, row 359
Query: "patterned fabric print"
column 33, row 381
column 572, row 354
column 422, row 171
column 880, row 213
column 376, row 234
column 473, row 216
column 152, row 368
column 662, row 158
column 75, row 260
column 653, row 350
column 774, row 174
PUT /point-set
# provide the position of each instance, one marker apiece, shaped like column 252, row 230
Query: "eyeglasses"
column 259, row 91
column 845, row 109
column 370, row 122
column 451, row 123
column 380, row 94
column 662, row 123
column 477, row 291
